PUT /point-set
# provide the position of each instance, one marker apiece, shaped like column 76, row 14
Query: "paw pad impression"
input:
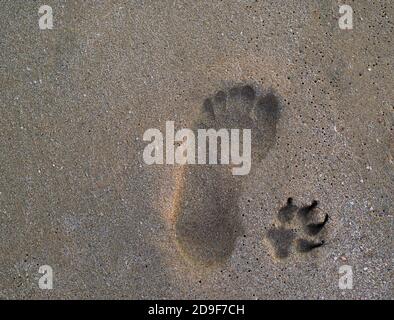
column 297, row 227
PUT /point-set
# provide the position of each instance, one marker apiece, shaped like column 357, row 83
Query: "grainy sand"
column 75, row 101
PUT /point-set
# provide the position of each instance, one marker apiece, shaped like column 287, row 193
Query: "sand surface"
column 76, row 194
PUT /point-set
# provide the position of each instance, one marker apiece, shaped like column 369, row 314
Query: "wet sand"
column 76, row 194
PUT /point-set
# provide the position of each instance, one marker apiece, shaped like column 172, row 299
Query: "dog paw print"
column 297, row 228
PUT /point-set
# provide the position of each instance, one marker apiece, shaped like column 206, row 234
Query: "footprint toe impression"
column 208, row 221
